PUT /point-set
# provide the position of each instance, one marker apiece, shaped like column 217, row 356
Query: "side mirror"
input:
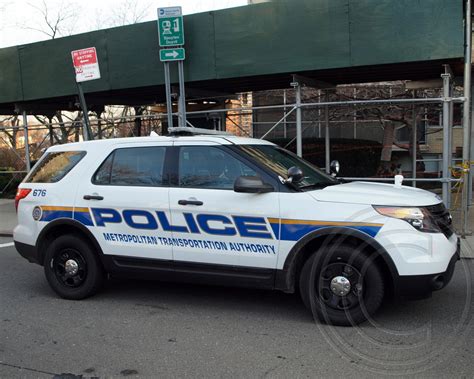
column 252, row 184
column 334, row 168
column 295, row 174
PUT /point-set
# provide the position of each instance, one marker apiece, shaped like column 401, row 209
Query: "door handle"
column 190, row 202
column 93, row 197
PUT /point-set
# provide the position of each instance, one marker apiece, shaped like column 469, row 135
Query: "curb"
column 5, row 234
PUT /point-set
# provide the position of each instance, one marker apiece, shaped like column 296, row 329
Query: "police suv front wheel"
column 72, row 268
column 347, row 286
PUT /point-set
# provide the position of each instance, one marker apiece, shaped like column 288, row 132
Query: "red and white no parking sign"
column 85, row 64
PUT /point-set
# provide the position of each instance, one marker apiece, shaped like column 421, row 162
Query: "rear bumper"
column 29, row 252
column 421, row 286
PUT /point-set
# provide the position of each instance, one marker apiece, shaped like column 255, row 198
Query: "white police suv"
column 220, row 209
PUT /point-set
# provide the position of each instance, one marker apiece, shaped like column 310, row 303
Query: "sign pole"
column 86, row 67
column 86, row 131
column 171, row 37
column 182, row 96
column 169, row 105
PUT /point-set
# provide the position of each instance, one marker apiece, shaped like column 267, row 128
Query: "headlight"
column 417, row 217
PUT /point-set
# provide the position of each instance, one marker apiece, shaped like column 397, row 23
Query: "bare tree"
column 11, row 126
column 129, row 12
column 125, row 12
column 58, row 18
column 390, row 124
column 55, row 19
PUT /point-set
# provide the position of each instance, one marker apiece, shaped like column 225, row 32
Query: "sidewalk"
column 467, row 247
column 7, row 216
column 467, row 244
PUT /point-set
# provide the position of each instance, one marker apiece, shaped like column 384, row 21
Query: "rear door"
column 119, row 202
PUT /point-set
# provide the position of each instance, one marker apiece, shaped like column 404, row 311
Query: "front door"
column 210, row 222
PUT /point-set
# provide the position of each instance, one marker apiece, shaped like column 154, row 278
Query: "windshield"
column 280, row 160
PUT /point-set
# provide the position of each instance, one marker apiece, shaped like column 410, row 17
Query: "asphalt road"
column 158, row 329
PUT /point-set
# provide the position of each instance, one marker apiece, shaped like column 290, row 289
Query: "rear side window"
column 55, row 166
column 136, row 166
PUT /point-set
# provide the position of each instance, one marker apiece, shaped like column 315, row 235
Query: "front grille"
column 442, row 218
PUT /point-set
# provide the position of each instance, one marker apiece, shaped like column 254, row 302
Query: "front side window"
column 280, row 160
column 136, row 166
column 209, row 167
column 55, row 166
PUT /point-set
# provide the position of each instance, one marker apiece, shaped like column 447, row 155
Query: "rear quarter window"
column 135, row 166
column 55, row 166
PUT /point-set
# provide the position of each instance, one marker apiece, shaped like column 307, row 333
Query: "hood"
column 375, row 194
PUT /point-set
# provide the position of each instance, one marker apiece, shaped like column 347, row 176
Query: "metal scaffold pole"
column 446, row 140
column 299, row 131
column 414, row 140
column 327, row 137
column 27, row 145
column 471, row 155
column 466, row 119
column 284, row 112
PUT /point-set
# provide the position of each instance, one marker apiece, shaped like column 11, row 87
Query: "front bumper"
column 421, row 286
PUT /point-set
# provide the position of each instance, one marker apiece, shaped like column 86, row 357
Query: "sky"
column 22, row 21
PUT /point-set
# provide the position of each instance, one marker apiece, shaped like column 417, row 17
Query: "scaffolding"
column 27, row 141
column 127, row 126
column 144, row 124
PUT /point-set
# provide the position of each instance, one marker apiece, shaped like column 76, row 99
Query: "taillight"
column 21, row 193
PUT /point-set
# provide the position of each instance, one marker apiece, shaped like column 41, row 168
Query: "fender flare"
column 67, row 222
column 286, row 278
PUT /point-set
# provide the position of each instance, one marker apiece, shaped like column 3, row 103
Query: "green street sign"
column 170, row 26
column 169, row 55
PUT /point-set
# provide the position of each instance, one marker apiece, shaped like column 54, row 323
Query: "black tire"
column 366, row 285
column 77, row 255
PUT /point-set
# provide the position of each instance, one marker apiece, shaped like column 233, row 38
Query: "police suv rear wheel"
column 346, row 284
column 72, row 268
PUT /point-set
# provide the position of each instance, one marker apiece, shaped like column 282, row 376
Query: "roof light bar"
column 186, row 130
